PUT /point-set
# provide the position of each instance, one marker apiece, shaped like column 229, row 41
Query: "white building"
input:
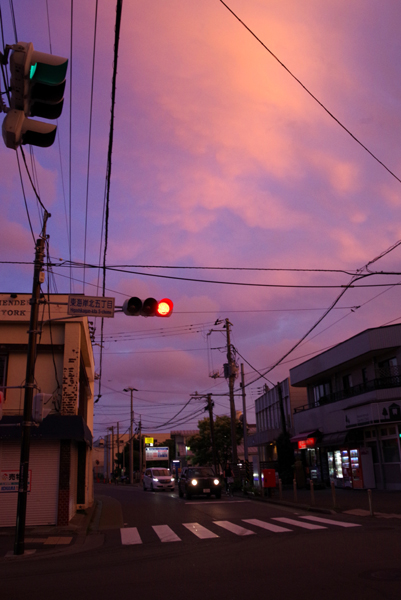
column 349, row 429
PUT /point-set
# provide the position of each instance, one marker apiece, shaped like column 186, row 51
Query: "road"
column 158, row 545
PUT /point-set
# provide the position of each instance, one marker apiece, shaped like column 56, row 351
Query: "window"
column 320, row 391
column 347, row 382
column 391, row 452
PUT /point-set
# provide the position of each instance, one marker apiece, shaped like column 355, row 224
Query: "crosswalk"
column 130, row 535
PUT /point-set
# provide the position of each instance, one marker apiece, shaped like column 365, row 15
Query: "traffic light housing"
column 150, row 307
column 37, row 90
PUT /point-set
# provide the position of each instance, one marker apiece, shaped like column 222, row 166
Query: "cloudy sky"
column 229, row 177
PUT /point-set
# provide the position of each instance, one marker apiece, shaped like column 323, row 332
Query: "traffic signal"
column 37, row 90
column 148, row 308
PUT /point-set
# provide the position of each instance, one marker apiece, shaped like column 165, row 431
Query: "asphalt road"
column 158, row 545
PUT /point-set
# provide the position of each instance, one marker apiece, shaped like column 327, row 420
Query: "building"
column 106, row 448
column 182, row 451
column 270, row 409
column 60, row 464
column 349, row 429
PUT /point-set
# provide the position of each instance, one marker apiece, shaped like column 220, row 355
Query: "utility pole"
column 244, row 413
column 140, row 449
column 280, row 399
column 131, row 439
column 19, row 542
column 118, row 444
column 210, row 409
column 231, row 379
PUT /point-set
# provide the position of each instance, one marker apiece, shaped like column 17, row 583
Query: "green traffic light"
column 32, row 70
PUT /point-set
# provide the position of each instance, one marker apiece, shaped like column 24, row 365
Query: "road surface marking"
column 237, row 529
column 165, row 533
column 331, row 522
column 264, row 525
column 298, row 523
column 200, row 531
column 130, row 536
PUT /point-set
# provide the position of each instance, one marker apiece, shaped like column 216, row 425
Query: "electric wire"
column 90, row 140
column 311, row 95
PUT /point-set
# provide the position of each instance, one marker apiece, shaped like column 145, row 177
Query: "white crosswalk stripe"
column 166, row 534
column 298, row 523
column 268, row 526
column 237, row 529
column 331, row 521
column 130, row 535
column 200, row 531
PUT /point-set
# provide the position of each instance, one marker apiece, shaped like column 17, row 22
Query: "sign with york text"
column 90, row 306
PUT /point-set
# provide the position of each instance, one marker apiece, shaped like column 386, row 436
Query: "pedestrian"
column 228, row 477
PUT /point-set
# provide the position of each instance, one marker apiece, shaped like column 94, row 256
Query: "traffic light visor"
column 164, row 308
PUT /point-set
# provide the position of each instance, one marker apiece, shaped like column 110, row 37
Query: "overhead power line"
column 310, row 93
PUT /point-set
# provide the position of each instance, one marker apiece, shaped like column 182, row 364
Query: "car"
column 199, row 481
column 158, row 478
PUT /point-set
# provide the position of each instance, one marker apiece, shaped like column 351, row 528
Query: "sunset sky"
column 225, row 168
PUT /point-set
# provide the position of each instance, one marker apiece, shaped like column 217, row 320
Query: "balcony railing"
column 381, row 382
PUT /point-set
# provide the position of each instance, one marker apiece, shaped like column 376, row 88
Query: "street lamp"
column 131, row 443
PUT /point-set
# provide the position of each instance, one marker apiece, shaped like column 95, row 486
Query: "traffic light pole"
column 19, row 542
column 231, row 380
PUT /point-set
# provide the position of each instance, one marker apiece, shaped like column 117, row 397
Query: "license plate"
column 206, row 491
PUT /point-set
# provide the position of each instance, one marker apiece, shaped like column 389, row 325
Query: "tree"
column 201, row 443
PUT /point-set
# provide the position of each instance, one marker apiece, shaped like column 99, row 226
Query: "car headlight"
column 155, row 479
column 194, row 482
column 172, row 479
column 216, row 481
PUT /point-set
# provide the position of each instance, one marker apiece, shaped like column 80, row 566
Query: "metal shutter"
column 42, row 502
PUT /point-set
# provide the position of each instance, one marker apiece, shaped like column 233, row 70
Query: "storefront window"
column 375, row 453
column 391, row 452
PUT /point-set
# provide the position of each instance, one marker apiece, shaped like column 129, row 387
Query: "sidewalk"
column 385, row 504
column 40, row 541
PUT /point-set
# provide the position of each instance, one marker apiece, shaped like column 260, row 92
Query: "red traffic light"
column 164, row 308
column 150, row 307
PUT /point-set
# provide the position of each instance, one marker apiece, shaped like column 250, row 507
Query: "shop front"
column 308, row 464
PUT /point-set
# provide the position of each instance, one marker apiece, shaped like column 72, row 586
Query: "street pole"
column 140, row 449
column 231, row 380
column 112, row 452
column 280, row 398
column 131, row 440
column 19, row 542
column 244, row 413
column 118, row 445
column 210, row 408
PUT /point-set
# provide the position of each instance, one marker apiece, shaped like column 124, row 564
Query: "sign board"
column 149, row 441
column 369, row 414
column 9, row 480
column 90, row 306
column 152, row 453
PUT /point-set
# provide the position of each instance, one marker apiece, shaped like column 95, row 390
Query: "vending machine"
column 346, row 467
column 362, row 470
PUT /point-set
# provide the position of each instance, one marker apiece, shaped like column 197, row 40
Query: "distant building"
column 269, row 422
column 60, row 464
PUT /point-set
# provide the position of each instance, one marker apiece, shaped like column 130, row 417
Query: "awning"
column 53, row 427
column 334, row 439
column 304, row 436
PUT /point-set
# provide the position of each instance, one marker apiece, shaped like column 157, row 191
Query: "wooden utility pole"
column 131, row 438
column 231, row 380
column 19, row 542
column 210, row 409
